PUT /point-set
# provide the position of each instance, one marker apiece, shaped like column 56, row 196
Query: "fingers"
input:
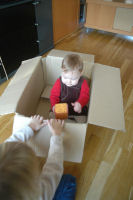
column 49, row 122
column 52, row 121
column 41, row 118
column 61, row 122
column 38, row 118
column 44, row 123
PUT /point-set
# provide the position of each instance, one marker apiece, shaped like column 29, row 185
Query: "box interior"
column 35, row 97
column 29, row 91
column 28, row 94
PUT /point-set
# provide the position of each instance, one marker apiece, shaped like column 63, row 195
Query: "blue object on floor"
column 66, row 189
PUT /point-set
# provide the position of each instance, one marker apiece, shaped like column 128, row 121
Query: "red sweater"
column 55, row 93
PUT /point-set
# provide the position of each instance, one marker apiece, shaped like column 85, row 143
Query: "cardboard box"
column 28, row 94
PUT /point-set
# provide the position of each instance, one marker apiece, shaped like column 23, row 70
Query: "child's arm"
column 55, row 93
column 83, row 98
column 53, row 169
column 84, row 94
column 25, row 133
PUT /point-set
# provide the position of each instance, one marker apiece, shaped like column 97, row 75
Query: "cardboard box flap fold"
column 74, row 138
column 106, row 104
column 12, row 99
column 62, row 54
column 23, row 96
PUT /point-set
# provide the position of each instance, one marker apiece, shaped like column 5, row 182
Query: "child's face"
column 70, row 78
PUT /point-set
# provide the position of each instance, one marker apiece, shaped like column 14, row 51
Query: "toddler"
column 20, row 176
column 71, row 88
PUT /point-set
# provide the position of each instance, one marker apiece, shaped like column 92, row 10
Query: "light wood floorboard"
column 106, row 172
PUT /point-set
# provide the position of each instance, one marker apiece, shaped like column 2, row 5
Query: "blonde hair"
column 71, row 62
column 19, row 172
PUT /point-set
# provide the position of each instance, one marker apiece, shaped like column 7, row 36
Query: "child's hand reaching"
column 55, row 126
column 77, row 107
column 37, row 122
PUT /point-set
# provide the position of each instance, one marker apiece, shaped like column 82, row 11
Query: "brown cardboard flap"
column 74, row 138
column 61, row 54
column 46, row 92
column 106, row 104
column 12, row 94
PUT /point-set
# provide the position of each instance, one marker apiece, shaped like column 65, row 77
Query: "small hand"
column 37, row 122
column 77, row 107
column 55, row 126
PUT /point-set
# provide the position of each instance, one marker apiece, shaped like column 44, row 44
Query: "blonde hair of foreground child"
column 19, row 172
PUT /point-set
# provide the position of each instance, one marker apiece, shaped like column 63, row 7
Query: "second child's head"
column 72, row 66
column 19, row 172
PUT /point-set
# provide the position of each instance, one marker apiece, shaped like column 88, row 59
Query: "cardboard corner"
column 106, row 102
column 13, row 93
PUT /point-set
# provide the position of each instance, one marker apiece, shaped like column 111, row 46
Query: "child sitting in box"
column 71, row 88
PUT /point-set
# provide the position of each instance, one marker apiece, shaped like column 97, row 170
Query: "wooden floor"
column 106, row 172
